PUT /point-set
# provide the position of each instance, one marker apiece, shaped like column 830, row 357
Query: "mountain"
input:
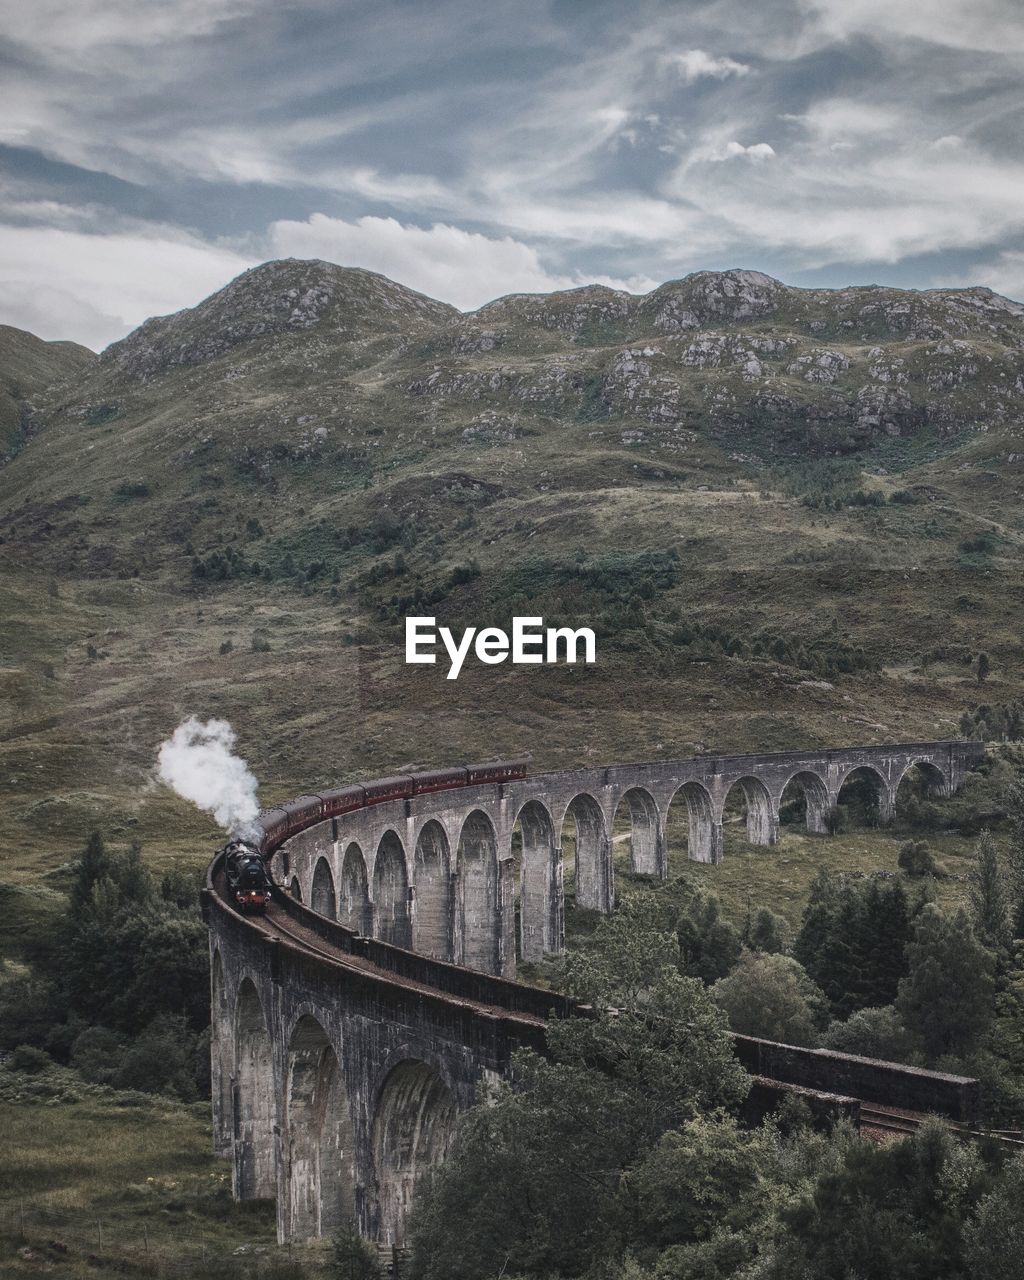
column 791, row 515
column 28, row 366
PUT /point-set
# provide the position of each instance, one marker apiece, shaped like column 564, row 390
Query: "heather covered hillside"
column 791, row 515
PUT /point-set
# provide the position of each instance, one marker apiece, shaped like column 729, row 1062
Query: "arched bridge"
column 374, row 1000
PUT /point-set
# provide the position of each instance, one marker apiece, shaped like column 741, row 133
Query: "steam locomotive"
column 247, row 877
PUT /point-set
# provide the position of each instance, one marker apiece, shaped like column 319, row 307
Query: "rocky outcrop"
column 277, row 299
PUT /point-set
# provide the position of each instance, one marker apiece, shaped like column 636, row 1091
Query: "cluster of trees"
column 875, row 968
column 994, row 722
column 621, row 1155
column 824, row 657
column 119, row 988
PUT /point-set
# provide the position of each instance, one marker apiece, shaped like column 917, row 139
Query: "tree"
column 994, row 1238
column 852, row 939
column 766, row 932
column 772, row 997
column 1015, row 809
column 882, row 1212
column 708, row 945
column 92, row 866
column 533, row 1184
column 872, row 1033
column 352, row 1257
column 691, row 1180
column 990, row 900
column 947, row 998
column 983, row 667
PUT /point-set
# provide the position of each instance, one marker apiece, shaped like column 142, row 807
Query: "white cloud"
column 984, row 26
column 74, row 27
column 94, row 288
column 715, row 151
column 1004, row 274
column 842, row 119
column 464, row 268
column 896, row 201
column 696, row 64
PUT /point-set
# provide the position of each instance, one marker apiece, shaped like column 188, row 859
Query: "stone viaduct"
column 375, row 999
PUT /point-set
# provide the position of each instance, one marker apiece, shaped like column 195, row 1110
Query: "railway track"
column 276, row 922
column 889, row 1121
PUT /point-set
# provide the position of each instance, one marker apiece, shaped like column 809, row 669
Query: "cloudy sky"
column 152, row 149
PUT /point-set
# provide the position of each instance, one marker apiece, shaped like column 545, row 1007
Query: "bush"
column 771, row 996
column 915, row 859
column 29, row 1059
column 872, row 1033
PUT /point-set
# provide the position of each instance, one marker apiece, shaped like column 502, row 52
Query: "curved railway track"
column 276, row 923
column 888, row 1122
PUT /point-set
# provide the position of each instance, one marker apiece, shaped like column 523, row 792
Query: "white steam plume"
column 197, row 760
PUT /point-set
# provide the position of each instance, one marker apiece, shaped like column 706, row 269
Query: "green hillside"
column 28, row 366
column 791, row 515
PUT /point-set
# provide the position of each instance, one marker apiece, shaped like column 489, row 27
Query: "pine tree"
column 1015, row 807
column 93, row 866
column 947, row 998
column 353, row 1258
column 885, row 936
column 990, row 901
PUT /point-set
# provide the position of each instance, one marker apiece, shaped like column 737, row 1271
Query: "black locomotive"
column 247, row 877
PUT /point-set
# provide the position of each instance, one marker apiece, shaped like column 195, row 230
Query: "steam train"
column 248, row 882
column 245, row 867
column 277, row 824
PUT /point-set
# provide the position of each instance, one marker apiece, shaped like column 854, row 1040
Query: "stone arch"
column 704, row 830
column 391, row 892
column 220, row 1057
column 432, row 881
column 814, row 793
column 646, row 841
column 412, row 1130
column 541, row 919
column 936, row 782
column 322, row 897
column 761, row 818
column 477, row 869
column 593, row 878
column 253, row 1101
column 877, row 803
column 356, row 911
column 319, row 1169
column 296, row 889
column 919, row 780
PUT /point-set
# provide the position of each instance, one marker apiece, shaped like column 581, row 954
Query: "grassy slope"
column 99, row 1183
column 29, row 366
column 277, row 444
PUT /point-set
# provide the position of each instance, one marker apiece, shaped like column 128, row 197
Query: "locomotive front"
column 247, row 877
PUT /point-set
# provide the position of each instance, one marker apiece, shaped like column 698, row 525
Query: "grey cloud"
column 806, row 137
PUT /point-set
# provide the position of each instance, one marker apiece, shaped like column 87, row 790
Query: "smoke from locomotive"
column 199, row 763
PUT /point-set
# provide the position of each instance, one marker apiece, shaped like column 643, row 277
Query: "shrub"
column 771, row 996
column 915, row 859
column 29, row 1059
